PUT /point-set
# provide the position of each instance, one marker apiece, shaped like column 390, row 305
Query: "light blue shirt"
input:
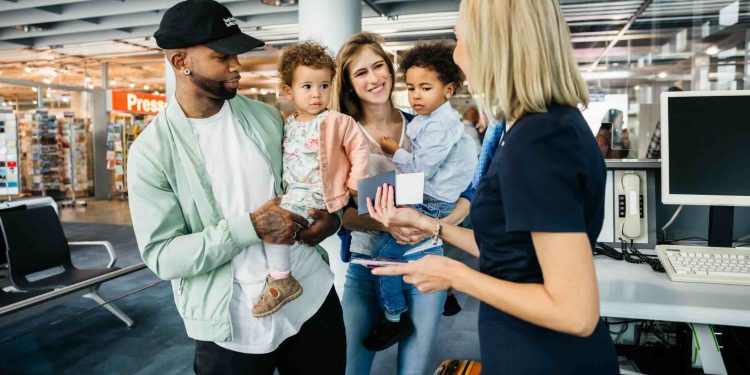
column 441, row 150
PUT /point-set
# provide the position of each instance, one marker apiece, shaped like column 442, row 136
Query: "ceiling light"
column 86, row 79
column 712, row 50
column 28, row 28
column 113, row 82
column 35, row 102
column 34, row 89
column 27, row 69
column 662, row 75
column 617, row 74
column 156, row 93
column 132, row 85
column 65, row 99
column 46, row 80
column 49, row 95
column 263, row 91
column 253, row 90
column 277, row 3
column 146, row 87
column 636, row 87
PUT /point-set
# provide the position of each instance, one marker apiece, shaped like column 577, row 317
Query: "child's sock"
column 393, row 317
column 278, row 275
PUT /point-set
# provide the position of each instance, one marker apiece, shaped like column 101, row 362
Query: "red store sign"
column 137, row 102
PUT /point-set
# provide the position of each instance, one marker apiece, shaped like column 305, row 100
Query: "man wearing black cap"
column 202, row 181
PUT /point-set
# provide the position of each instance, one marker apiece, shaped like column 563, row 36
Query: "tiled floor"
column 101, row 212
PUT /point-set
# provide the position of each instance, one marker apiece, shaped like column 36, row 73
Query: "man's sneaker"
column 388, row 333
column 275, row 294
column 451, row 306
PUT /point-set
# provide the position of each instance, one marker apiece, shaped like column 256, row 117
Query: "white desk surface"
column 634, row 291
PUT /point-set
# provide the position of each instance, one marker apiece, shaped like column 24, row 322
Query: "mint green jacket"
column 181, row 234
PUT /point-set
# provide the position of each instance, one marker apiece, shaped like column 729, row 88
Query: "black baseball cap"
column 203, row 22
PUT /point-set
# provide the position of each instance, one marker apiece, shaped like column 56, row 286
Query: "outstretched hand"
column 430, row 274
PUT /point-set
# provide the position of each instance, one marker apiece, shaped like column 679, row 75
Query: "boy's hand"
column 389, row 145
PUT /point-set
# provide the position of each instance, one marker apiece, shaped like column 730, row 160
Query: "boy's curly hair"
column 435, row 56
column 308, row 53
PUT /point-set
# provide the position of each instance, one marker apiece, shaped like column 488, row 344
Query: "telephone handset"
column 631, row 206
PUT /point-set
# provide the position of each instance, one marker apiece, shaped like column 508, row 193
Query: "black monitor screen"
column 709, row 145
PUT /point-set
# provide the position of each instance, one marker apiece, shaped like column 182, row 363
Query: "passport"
column 409, row 188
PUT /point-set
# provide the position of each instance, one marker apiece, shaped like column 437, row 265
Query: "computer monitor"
column 706, row 154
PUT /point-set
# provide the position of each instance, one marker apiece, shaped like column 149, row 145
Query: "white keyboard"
column 701, row 264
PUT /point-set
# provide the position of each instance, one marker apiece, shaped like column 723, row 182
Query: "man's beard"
column 216, row 88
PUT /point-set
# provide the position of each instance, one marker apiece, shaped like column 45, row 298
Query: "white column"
column 77, row 104
column 169, row 79
column 330, row 22
column 100, row 118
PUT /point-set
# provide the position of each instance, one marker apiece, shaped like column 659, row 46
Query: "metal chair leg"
column 111, row 307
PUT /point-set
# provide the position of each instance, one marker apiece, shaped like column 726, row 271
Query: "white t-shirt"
column 241, row 181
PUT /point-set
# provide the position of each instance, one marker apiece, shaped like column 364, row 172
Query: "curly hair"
column 435, row 56
column 308, row 53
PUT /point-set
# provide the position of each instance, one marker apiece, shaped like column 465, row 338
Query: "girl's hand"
column 430, row 274
column 387, row 213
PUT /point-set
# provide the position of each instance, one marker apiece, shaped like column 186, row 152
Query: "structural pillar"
column 39, row 97
column 105, row 76
column 100, row 119
column 169, row 80
column 331, row 22
column 77, row 104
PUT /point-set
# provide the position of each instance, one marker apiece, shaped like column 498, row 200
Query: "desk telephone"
column 630, row 216
column 630, row 219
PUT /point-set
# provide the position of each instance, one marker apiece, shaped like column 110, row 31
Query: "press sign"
column 136, row 102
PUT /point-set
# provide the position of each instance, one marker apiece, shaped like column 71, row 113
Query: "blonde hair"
column 344, row 99
column 521, row 57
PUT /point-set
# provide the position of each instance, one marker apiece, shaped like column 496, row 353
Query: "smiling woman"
column 365, row 80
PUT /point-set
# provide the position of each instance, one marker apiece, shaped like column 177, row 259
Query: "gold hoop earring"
column 186, row 71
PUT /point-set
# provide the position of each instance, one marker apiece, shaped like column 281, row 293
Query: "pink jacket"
column 344, row 153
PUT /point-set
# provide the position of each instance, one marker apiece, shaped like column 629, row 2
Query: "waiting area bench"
column 40, row 272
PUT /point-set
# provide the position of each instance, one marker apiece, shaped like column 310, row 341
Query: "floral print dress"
column 302, row 183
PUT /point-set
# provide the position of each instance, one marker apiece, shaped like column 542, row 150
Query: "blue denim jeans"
column 434, row 207
column 391, row 287
column 362, row 312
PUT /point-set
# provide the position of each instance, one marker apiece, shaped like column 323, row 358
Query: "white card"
column 409, row 188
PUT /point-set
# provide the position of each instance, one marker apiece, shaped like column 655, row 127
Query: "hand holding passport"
column 409, row 188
